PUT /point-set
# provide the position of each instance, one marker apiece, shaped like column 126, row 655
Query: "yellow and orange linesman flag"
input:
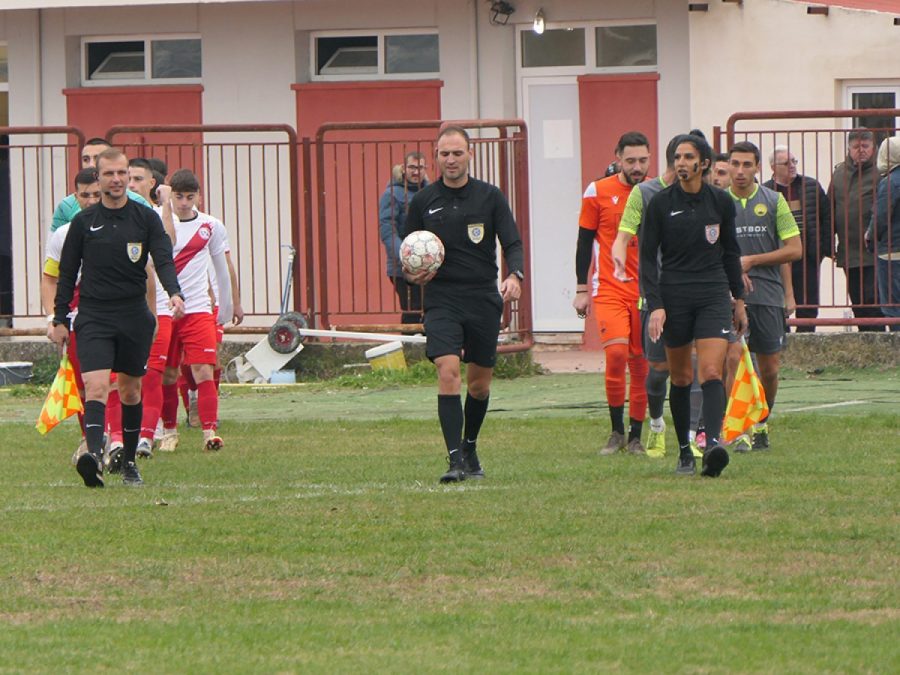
column 62, row 400
column 747, row 402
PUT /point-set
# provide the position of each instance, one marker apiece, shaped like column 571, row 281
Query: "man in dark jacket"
column 810, row 207
column 406, row 180
column 852, row 196
column 884, row 230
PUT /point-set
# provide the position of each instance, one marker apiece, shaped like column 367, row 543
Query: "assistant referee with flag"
column 109, row 244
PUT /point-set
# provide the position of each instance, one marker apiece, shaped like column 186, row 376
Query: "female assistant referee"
column 696, row 292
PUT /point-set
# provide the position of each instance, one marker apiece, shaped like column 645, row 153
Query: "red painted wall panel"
column 610, row 105
column 96, row 109
column 357, row 170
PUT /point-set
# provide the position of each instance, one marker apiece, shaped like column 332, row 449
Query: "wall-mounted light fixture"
column 500, row 12
column 538, row 26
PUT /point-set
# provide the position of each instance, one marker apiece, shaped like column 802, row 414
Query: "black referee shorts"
column 467, row 327
column 117, row 341
column 695, row 315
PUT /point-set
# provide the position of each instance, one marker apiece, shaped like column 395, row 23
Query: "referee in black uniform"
column 109, row 244
column 462, row 304
column 691, row 225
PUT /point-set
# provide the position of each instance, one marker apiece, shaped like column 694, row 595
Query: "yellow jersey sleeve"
column 634, row 210
column 785, row 223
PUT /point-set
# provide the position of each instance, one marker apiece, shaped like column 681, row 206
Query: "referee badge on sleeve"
column 134, row 251
column 476, row 232
column 712, row 233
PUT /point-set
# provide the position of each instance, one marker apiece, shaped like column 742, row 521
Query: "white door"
column 550, row 108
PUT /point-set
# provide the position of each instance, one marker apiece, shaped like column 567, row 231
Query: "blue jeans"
column 889, row 287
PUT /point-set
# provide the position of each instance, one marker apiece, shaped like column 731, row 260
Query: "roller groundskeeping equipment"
column 285, row 340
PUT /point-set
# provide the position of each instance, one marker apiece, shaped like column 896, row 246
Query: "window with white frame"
column 870, row 95
column 141, row 60
column 579, row 48
column 361, row 55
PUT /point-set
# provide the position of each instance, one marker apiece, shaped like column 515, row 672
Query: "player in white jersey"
column 187, row 388
column 201, row 240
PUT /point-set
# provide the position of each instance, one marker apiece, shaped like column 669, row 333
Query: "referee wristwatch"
column 520, row 274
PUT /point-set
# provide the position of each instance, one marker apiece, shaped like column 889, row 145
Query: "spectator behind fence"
column 884, row 228
column 809, row 206
column 852, row 195
column 406, row 180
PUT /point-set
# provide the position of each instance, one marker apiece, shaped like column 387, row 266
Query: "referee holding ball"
column 109, row 244
column 462, row 304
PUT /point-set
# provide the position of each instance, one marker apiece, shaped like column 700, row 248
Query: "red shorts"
column 159, row 351
column 72, row 351
column 220, row 329
column 619, row 321
column 193, row 341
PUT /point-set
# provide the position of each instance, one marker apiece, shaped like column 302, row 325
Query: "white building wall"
column 772, row 55
column 768, row 55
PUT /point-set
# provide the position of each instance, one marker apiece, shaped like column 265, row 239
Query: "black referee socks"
column 713, row 409
column 94, row 426
column 475, row 410
column 131, row 428
column 450, row 413
column 680, row 405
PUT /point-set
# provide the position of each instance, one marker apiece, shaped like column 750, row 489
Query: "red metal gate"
column 34, row 173
column 250, row 178
column 353, row 165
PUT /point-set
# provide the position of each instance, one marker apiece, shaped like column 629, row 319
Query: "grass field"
column 319, row 540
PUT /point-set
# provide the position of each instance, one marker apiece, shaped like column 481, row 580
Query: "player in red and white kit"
column 201, row 240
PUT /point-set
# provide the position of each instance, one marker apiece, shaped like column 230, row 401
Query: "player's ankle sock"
column 617, row 418
column 114, row 415
column 680, row 405
column 656, row 391
column 183, row 393
column 474, row 412
column 94, row 425
column 635, row 428
column 657, row 424
column 207, row 404
column 684, row 451
column 637, row 389
column 450, row 414
column 131, row 428
column 692, row 435
column 713, row 409
column 151, row 398
column 170, row 405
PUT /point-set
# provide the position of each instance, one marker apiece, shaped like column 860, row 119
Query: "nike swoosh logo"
column 94, row 229
column 92, row 425
column 432, row 211
column 675, row 213
column 726, row 331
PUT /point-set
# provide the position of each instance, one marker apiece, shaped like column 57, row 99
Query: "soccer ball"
column 421, row 251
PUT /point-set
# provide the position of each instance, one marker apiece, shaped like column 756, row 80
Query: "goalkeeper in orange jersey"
column 616, row 302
